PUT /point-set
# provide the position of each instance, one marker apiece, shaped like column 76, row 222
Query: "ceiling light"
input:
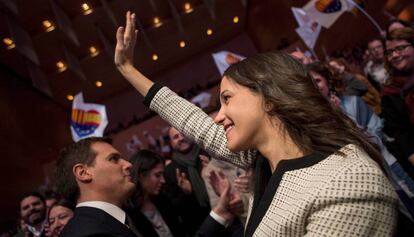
column 188, row 8
column 157, row 21
column 61, row 66
column 209, row 31
column 9, row 43
column 182, row 44
column 98, row 84
column 93, row 51
column 235, row 19
column 48, row 25
column 86, row 9
column 155, row 57
column 69, row 97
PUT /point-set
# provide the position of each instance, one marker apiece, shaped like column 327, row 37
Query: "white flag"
column 224, row 59
column 88, row 120
column 309, row 35
column 202, row 99
column 325, row 12
column 300, row 15
column 308, row 29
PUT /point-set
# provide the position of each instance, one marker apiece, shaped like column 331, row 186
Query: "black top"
column 168, row 213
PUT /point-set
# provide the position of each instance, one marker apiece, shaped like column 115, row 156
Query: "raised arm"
column 183, row 115
column 124, row 55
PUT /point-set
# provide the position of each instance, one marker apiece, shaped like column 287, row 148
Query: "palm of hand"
column 125, row 42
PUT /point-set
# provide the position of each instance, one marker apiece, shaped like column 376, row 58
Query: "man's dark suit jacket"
column 211, row 228
column 93, row 222
column 90, row 221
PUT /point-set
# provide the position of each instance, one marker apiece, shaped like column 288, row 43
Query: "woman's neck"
column 277, row 145
column 147, row 203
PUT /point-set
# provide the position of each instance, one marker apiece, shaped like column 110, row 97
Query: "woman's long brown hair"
column 307, row 117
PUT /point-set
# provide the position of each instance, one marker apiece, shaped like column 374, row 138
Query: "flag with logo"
column 224, row 59
column 325, row 12
column 353, row 5
column 88, row 120
column 308, row 29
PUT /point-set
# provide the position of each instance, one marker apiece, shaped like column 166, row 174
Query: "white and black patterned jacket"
column 316, row 195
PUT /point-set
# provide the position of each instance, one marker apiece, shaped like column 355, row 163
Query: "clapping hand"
column 183, row 182
column 229, row 204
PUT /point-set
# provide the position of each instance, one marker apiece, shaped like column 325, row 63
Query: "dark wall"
column 32, row 130
column 270, row 21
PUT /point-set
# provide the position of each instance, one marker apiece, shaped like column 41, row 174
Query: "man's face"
column 110, row 173
column 32, row 210
column 179, row 143
column 376, row 50
column 337, row 67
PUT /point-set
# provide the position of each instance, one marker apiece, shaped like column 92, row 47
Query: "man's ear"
column 81, row 173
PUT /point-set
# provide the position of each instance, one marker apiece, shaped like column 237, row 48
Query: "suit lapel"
column 109, row 223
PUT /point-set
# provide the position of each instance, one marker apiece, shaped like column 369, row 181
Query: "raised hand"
column 125, row 43
column 124, row 55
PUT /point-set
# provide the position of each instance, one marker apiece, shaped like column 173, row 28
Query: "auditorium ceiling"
column 64, row 47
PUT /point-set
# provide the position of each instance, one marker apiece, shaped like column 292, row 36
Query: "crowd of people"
column 298, row 148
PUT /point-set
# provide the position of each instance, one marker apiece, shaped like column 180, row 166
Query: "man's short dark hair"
column 75, row 153
column 32, row 194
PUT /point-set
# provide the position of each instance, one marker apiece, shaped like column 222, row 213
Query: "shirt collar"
column 109, row 208
column 36, row 232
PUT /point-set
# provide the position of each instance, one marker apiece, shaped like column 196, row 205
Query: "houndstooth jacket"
column 316, row 195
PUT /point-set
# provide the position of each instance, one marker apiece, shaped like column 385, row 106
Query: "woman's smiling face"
column 242, row 114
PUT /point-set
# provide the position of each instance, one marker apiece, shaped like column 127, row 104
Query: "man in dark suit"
column 93, row 173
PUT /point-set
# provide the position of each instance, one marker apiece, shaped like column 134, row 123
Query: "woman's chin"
column 234, row 147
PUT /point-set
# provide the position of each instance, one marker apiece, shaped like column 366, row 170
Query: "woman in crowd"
column 59, row 215
column 150, row 210
column 353, row 106
column 315, row 172
column 355, row 84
